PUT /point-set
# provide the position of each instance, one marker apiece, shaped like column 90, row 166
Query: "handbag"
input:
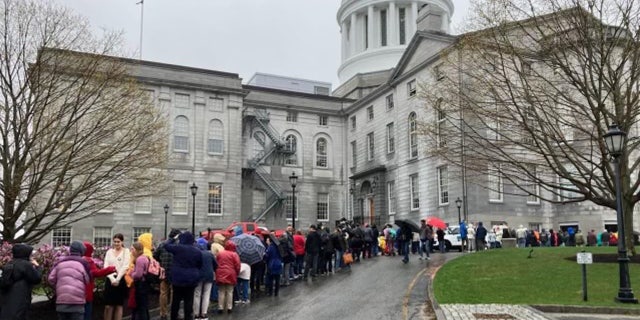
column 347, row 258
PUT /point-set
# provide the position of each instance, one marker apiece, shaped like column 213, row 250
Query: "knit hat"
column 173, row 233
column 77, row 248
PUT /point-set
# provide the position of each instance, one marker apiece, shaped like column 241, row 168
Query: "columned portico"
column 371, row 32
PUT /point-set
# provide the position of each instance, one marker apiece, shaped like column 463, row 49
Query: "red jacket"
column 298, row 244
column 228, row 265
column 95, row 272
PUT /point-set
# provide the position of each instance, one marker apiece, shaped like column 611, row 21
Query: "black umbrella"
column 274, row 239
column 408, row 223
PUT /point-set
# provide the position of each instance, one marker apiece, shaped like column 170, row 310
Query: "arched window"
column 215, row 143
column 321, row 153
column 413, row 136
column 291, row 146
column 181, row 134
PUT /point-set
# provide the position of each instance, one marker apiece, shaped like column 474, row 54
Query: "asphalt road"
column 378, row 288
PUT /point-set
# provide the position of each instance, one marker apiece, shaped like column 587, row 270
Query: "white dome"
column 375, row 33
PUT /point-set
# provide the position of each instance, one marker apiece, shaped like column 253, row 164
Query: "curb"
column 585, row 309
column 432, row 297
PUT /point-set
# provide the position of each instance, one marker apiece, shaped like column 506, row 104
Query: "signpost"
column 584, row 258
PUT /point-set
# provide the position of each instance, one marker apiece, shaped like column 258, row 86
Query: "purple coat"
column 69, row 277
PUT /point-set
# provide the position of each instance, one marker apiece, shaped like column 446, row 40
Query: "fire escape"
column 278, row 147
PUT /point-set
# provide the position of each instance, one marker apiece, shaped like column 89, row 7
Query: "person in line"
column 481, row 233
column 368, row 241
column 405, row 241
column 165, row 258
column 312, row 250
column 425, row 234
column 227, row 276
column 299, row 243
column 69, row 277
column 274, row 267
column 441, row 242
column 243, row 282
column 376, row 245
column 286, row 247
column 203, row 290
column 463, row 235
column 20, row 275
column 95, row 273
column 605, row 237
column 337, row 244
column 521, row 236
column 115, row 289
column 471, row 235
column 592, row 240
column 142, row 288
column 185, row 273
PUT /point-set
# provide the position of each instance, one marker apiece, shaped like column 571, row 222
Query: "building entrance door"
column 372, row 211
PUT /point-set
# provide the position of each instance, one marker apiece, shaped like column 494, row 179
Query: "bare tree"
column 529, row 96
column 78, row 133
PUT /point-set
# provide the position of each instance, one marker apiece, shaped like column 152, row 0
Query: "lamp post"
column 459, row 204
column 166, row 210
column 615, row 139
column 351, row 187
column 294, row 181
column 194, row 190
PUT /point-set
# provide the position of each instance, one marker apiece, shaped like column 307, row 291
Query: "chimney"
column 431, row 18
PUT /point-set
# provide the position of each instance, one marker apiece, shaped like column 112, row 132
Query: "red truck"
column 247, row 227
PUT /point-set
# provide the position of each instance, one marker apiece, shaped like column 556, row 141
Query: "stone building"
column 357, row 154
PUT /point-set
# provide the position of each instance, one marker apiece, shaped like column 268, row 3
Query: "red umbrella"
column 436, row 222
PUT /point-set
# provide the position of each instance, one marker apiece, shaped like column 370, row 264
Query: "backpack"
column 155, row 273
column 286, row 254
column 6, row 276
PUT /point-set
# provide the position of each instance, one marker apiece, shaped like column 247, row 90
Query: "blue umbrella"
column 249, row 248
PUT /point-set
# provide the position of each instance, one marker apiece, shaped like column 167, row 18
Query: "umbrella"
column 409, row 223
column 249, row 248
column 436, row 222
column 274, row 239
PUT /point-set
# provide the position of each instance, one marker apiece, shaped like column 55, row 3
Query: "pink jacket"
column 69, row 277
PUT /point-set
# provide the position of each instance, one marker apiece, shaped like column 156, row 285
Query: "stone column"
column 345, row 43
column 352, row 37
column 413, row 25
column 370, row 28
column 392, row 25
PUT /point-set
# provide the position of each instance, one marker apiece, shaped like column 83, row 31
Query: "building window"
column 411, row 88
column 215, row 199
column 415, row 192
column 323, row 207
column 383, row 28
column 142, row 205
column 323, row 120
column 370, row 146
column 138, row 231
column 370, row 113
column 291, row 147
column 292, row 116
column 181, row 134
column 354, row 154
column 288, row 206
column 353, row 122
column 181, row 100
column 389, row 100
column 215, row 143
column 413, row 136
column 180, row 189
column 402, row 21
column 496, row 187
column 391, row 145
column 391, row 196
column 532, row 186
column 437, row 72
column 321, row 153
column 440, row 127
column 61, row 237
column 443, row 185
column 216, row 104
column 565, row 186
column 101, row 237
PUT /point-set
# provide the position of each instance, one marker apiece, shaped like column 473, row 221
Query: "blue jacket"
column 463, row 230
column 209, row 265
column 274, row 261
column 187, row 261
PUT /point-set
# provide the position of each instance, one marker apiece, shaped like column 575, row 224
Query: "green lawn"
column 508, row 276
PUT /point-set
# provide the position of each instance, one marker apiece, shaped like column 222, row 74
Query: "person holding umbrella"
column 274, row 265
column 405, row 240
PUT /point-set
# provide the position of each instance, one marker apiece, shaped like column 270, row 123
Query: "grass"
column 507, row 276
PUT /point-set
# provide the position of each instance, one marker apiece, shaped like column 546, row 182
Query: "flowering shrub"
column 46, row 256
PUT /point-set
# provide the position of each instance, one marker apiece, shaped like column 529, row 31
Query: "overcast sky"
column 298, row 38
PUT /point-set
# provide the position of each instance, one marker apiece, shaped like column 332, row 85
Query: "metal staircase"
column 279, row 146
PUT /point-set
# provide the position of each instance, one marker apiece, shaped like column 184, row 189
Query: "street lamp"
column 293, row 179
column 166, row 210
column 615, row 139
column 351, row 189
column 459, row 204
column 194, row 190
